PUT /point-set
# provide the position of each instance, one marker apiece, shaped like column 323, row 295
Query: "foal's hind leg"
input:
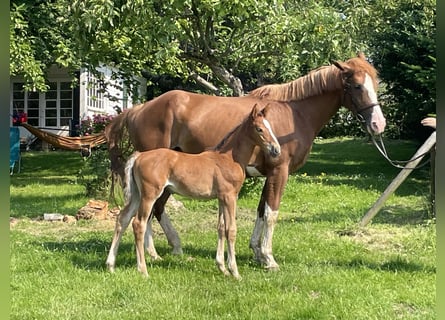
column 139, row 228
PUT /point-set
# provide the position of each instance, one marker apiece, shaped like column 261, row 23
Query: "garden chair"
column 14, row 149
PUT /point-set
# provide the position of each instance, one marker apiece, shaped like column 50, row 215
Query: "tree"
column 221, row 44
column 404, row 52
column 232, row 46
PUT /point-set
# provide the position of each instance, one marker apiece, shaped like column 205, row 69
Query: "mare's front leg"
column 267, row 215
column 167, row 227
column 148, row 240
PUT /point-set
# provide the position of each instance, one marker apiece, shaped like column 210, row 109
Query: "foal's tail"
column 131, row 189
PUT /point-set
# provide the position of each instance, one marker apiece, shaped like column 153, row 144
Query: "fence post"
column 428, row 144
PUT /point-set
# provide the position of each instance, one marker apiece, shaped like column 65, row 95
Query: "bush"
column 96, row 174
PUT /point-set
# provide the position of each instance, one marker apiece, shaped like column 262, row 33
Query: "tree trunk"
column 205, row 83
column 228, row 78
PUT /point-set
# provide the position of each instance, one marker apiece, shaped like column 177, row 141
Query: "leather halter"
column 356, row 110
column 379, row 145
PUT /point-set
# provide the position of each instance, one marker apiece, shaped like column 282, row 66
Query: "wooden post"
column 429, row 143
column 433, row 182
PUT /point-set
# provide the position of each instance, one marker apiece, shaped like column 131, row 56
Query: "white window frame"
column 42, row 104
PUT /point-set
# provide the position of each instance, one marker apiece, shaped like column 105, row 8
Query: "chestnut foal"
column 217, row 173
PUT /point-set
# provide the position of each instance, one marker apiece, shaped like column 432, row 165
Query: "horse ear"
column 343, row 67
column 265, row 109
column 361, row 55
column 255, row 111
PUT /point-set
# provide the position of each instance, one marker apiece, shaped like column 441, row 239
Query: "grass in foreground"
column 330, row 269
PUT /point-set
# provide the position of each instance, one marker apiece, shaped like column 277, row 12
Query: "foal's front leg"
column 122, row 222
column 227, row 231
column 220, row 246
column 230, row 229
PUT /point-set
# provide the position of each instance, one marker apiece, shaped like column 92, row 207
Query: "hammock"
column 83, row 144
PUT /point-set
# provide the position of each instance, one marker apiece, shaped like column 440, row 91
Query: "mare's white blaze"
column 378, row 121
column 369, row 86
column 268, row 126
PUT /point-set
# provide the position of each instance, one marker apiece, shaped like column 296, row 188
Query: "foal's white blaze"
column 269, row 127
column 378, row 121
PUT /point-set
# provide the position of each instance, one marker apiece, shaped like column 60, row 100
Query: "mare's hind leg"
column 164, row 221
column 148, row 240
column 122, row 223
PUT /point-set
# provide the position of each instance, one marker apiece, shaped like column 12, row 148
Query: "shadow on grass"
column 359, row 155
column 23, row 181
column 92, row 254
column 392, row 215
column 396, row 264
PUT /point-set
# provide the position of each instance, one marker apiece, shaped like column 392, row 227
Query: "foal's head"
column 260, row 130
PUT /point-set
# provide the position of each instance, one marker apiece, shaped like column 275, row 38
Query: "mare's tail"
column 114, row 133
column 118, row 149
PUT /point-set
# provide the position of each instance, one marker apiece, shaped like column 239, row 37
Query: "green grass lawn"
column 329, row 267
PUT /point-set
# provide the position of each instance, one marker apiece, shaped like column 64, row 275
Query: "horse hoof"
column 237, row 277
column 156, row 258
column 110, row 268
column 273, row 268
column 177, row 251
column 144, row 275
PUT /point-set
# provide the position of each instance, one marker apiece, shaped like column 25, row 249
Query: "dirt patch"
column 377, row 239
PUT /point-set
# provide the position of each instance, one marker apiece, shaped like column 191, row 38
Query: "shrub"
column 96, row 174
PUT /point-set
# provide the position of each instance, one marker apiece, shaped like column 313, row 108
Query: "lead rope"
column 398, row 163
column 401, row 164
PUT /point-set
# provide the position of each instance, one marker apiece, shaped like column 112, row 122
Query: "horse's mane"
column 322, row 79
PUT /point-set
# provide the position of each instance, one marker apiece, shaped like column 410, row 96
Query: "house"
column 61, row 108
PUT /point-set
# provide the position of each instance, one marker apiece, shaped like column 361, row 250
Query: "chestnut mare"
column 193, row 122
column 217, row 173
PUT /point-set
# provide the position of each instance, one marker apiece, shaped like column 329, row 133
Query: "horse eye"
column 358, row 86
column 258, row 129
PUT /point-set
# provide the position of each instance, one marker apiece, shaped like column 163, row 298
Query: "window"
column 95, row 95
column 66, row 103
column 53, row 108
column 51, row 105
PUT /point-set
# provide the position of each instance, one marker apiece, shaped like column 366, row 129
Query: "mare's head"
column 260, row 130
column 360, row 84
